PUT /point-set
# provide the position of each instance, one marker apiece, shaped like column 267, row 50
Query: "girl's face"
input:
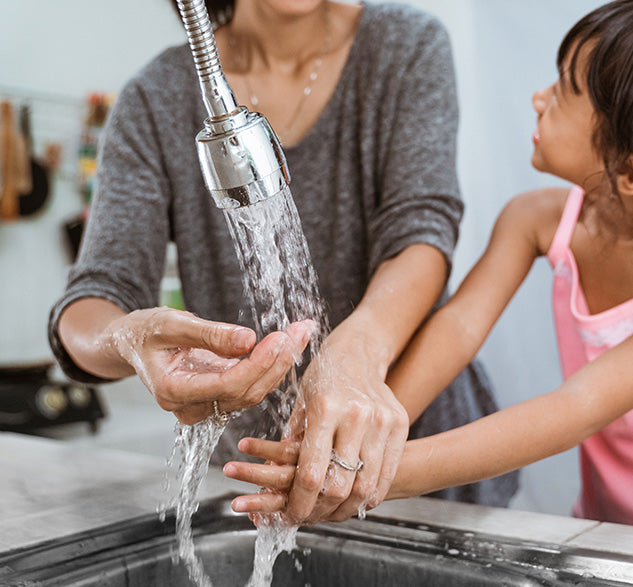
column 563, row 136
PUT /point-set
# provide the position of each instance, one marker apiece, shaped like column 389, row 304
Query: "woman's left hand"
column 345, row 410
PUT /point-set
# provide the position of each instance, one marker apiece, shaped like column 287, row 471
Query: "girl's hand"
column 275, row 476
column 187, row 363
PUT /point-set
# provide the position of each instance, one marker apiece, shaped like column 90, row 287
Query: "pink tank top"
column 606, row 458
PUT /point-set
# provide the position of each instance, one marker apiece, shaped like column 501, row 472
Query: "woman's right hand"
column 186, row 362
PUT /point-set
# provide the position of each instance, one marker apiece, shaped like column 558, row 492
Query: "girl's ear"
column 625, row 177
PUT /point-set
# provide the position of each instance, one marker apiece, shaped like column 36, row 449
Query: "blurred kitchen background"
column 61, row 66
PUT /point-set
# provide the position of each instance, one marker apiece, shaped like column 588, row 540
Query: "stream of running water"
column 281, row 287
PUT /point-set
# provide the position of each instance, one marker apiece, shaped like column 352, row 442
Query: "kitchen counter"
column 50, row 489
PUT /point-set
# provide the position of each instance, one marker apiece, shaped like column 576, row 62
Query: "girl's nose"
column 539, row 99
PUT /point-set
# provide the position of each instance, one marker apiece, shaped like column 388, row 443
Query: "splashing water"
column 281, row 287
column 277, row 273
column 274, row 536
column 196, row 443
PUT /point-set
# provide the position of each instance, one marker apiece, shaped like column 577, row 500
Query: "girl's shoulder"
column 536, row 214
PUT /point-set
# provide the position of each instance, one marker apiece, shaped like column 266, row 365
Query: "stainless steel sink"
column 378, row 552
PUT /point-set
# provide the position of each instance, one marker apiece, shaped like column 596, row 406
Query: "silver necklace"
column 307, row 90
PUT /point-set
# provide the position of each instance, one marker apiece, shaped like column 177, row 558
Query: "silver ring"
column 219, row 417
column 336, row 460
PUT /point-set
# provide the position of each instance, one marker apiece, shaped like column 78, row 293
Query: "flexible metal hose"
column 217, row 95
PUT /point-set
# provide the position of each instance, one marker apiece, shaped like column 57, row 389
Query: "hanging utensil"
column 32, row 199
column 9, row 209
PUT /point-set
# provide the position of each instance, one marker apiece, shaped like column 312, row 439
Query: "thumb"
column 228, row 340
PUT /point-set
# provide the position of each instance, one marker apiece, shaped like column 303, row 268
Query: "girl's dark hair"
column 607, row 34
column 220, row 11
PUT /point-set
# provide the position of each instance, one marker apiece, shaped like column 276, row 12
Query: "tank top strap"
column 565, row 230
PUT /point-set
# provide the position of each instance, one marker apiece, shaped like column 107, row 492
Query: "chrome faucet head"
column 241, row 159
column 240, row 155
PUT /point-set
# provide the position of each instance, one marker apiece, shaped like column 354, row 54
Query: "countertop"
column 50, row 489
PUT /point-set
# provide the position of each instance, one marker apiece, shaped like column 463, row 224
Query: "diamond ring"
column 336, row 460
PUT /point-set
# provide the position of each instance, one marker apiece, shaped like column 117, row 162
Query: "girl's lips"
column 536, row 137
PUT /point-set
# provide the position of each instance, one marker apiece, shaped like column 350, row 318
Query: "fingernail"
column 241, row 337
column 280, row 345
column 237, row 505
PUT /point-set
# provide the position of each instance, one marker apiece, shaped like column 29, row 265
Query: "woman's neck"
column 272, row 40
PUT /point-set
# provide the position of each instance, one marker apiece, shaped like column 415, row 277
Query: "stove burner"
column 31, row 399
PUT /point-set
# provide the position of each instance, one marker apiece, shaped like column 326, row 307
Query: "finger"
column 393, row 453
column 263, row 503
column 284, row 452
column 185, row 329
column 278, row 477
column 363, row 491
column 312, row 465
column 300, row 333
column 261, row 367
column 259, row 374
column 347, row 446
column 373, row 482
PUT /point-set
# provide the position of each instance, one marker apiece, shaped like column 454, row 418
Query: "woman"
column 363, row 100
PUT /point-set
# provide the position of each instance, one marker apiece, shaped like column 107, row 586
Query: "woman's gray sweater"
column 375, row 174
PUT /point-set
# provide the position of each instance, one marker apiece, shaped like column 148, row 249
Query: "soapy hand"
column 275, row 476
column 347, row 408
column 187, row 362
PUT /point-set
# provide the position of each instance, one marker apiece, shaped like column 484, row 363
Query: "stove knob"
column 51, row 401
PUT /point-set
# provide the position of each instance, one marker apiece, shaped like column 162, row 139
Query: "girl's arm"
column 454, row 335
column 509, row 439
column 537, row 428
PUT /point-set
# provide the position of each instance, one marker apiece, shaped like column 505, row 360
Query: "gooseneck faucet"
column 241, row 158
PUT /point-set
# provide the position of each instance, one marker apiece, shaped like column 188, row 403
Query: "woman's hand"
column 347, row 408
column 186, row 362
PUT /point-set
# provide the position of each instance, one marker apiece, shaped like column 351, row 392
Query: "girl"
column 584, row 135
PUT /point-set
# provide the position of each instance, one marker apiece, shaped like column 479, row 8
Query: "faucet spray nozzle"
column 240, row 155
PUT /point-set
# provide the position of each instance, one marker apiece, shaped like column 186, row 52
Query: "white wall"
column 504, row 50
column 52, row 55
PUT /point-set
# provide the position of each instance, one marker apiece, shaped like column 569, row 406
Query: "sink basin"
column 377, row 551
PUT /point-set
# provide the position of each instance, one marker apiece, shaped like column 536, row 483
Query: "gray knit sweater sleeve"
column 416, row 139
column 123, row 247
